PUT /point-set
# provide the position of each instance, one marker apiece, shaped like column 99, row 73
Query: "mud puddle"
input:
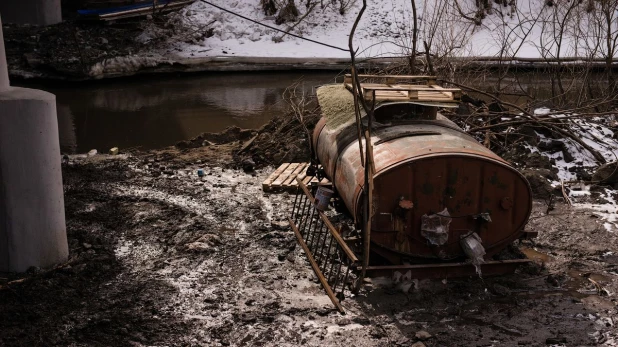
column 535, row 255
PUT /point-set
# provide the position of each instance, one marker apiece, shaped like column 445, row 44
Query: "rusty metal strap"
column 331, row 229
column 434, row 122
column 394, row 136
column 446, row 270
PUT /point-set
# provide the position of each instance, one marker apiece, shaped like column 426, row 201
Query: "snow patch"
column 524, row 30
column 597, row 136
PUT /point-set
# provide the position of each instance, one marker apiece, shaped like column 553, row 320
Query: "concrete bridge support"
column 35, row 12
column 32, row 223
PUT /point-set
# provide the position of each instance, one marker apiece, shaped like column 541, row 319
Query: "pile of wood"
column 496, row 126
column 403, row 88
column 284, row 178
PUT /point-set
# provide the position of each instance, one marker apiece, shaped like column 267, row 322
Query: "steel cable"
column 271, row 27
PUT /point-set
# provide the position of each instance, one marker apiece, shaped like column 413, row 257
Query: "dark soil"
column 162, row 257
column 92, row 299
column 283, row 139
column 67, row 50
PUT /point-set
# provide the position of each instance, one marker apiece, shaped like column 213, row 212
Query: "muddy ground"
column 162, row 257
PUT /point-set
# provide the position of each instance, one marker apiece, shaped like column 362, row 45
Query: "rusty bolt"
column 506, row 203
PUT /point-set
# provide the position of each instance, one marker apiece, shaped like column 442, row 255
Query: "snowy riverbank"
column 201, row 37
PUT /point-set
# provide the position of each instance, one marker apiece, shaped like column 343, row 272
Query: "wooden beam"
column 278, row 182
column 295, row 173
column 316, row 268
column 266, row 184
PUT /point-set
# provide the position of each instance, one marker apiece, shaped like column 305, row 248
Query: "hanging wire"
column 273, row 28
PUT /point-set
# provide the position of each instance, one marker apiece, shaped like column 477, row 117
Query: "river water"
column 158, row 111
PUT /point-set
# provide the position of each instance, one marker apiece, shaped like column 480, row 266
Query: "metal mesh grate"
column 329, row 255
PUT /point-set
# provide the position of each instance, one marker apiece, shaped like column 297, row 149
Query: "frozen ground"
column 569, row 159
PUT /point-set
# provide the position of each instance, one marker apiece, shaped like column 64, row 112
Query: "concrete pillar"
column 32, row 224
column 4, row 69
column 35, row 12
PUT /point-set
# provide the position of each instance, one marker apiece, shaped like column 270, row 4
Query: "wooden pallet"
column 284, row 178
column 403, row 88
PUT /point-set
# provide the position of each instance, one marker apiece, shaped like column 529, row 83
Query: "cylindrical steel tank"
column 425, row 168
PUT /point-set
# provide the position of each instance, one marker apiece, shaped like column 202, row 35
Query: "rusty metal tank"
column 425, row 166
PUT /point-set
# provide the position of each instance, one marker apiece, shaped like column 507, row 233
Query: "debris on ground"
column 162, row 256
column 180, row 246
column 561, row 153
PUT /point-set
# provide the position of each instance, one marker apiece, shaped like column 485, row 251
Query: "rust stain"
column 450, row 170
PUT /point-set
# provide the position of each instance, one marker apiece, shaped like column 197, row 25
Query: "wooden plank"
column 247, row 144
column 292, row 177
column 384, row 94
column 444, row 92
column 413, row 94
column 309, row 180
column 425, row 88
column 381, row 86
column 407, row 88
column 300, row 176
column 283, row 176
column 266, row 184
column 397, row 77
column 394, row 88
column 455, row 93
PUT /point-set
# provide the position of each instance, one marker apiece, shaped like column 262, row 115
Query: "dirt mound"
column 607, row 174
column 283, row 139
column 231, row 134
column 539, row 182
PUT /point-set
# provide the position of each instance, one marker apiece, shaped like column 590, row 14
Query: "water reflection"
column 154, row 113
column 66, row 129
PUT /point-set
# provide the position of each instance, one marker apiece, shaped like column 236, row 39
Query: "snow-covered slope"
column 526, row 29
